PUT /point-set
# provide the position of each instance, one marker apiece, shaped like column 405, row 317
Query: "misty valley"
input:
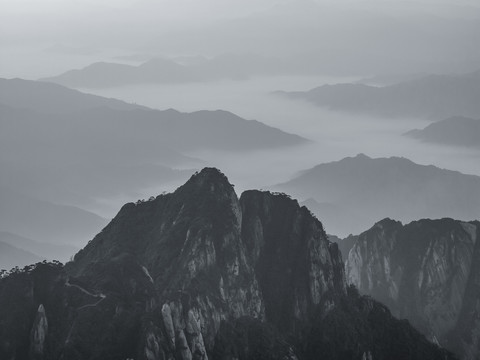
column 271, row 180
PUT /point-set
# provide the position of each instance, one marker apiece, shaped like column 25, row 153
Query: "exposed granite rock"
column 296, row 264
column 38, row 334
column 153, row 347
column 423, row 271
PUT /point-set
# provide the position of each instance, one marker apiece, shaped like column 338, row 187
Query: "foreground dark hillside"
column 200, row 274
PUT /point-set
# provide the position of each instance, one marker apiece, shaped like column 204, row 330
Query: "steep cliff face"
column 198, row 274
column 424, row 271
column 295, row 263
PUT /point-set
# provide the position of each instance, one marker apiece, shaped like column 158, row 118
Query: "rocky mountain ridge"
column 426, row 272
column 198, row 274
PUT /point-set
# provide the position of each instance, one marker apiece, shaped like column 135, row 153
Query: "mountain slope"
column 457, row 131
column 434, row 96
column 200, row 274
column 426, row 272
column 370, row 189
column 52, row 98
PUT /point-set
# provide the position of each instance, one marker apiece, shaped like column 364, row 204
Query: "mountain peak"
column 212, row 178
column 362, row 156
column 210, row 173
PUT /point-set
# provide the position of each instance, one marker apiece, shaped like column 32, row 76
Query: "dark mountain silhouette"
column 366, row 189
column 200, row 274
column 457, row 131
column 11, row 256
column 45, row 250
column 434, row 96
column 427, row 272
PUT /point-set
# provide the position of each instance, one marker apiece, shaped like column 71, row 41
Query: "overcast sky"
column 50, row 20
column 44, row 38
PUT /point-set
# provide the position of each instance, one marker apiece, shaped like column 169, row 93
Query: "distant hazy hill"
column 459, row 131
column 44, row 221
column 158, row 70
column 102, row 119
column 53, row 98
column 104, row 74
column 433, row 96
column 45, row 250
column 362, row 190
column 10, row 256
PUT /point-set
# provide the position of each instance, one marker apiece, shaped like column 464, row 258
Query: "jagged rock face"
column 369, row 262
column 295, row 263
column 422, row 271
column 184, row 276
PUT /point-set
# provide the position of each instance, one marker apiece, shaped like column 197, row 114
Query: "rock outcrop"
column 426, row 272
column 201, row 274
column 38, row 334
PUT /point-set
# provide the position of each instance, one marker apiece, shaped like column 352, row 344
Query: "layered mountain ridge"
column 90, row 152
column 197, row 274
column 454, row 131
column 432, row 96
column 365, row 190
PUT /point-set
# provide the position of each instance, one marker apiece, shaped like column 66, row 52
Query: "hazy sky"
column 46, row 20
column 44, row 38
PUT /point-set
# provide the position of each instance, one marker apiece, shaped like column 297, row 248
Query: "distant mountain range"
column 433, row 96
column 456, row 131
column 44, row 221
column 67, row 147
column 11, row 256
column 44, row 250
column 51, row 98
column 159, row 70
column 19, row 251
column 351, row 194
